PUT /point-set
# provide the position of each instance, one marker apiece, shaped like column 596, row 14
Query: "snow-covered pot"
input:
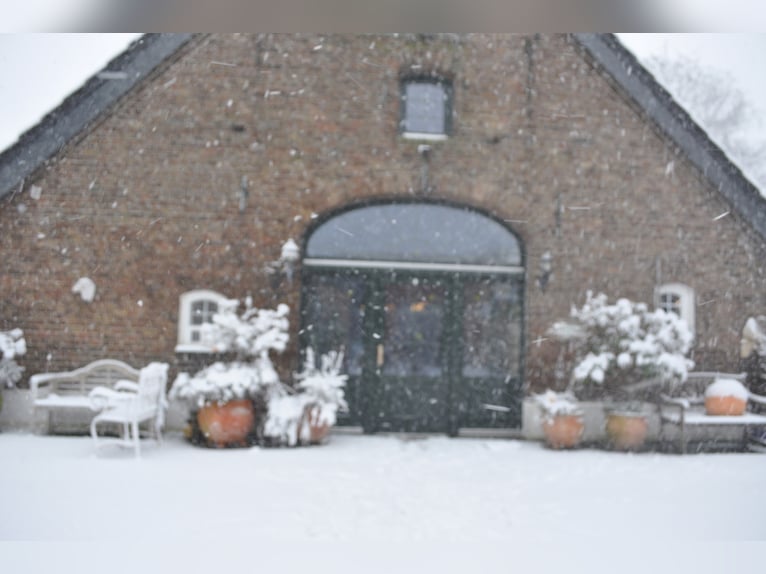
column 626, row 430
column 562, row 417
column 563, row 431
column 726, row 397
column 227, row 424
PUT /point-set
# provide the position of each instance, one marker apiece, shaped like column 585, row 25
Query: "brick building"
column 451, row 196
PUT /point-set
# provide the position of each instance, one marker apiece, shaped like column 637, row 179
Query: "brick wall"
column 147, row 202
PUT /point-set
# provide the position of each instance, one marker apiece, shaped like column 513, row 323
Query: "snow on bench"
column 688, row 410
column 67, row 392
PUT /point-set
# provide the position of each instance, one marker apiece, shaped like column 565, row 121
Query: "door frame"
column 454, row 273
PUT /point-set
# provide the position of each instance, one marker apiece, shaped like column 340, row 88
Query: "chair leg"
column 94, row 431
column 137, row 438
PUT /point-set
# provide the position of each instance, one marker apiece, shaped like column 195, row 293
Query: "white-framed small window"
column 195, row 309
column 676, row 298
column 426, row 109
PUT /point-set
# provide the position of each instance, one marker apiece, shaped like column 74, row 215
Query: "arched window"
column 418, row 235
column 677, row 298
column 195, row 309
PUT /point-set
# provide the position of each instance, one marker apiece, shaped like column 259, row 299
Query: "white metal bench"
column 68, row 392
column 687, row 412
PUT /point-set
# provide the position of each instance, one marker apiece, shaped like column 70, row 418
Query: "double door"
column 424, row 352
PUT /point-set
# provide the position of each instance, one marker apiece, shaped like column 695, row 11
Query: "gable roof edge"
column 674, row 121
column 41, row 142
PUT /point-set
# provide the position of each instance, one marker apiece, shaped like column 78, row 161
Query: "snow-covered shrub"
column 252, row 336
column 12, row 345
column 623, row 344
column 224, row 382
column 284, row 419
column 324, row 385
column 319, row 396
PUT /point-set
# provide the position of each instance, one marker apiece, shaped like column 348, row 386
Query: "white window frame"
column 186, row 343
column 686, row 304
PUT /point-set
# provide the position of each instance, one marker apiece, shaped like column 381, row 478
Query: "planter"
column 228, row 424
column 725, row 406
column 626, row 431
column 313, row 428
column 726, row 397
column 563, row 431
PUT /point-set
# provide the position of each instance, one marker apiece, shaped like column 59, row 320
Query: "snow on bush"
column 319, row 389
column 625, row 342
column 727, row 388
column 12, row 345
column 284, row 420
column 224, row 382
column 251, row 335
column 753, row 337
column 324, row 385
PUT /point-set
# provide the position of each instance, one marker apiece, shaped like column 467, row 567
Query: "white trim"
column 186, row 300
column 424, row 136
column 686, row 300
column 416, row 266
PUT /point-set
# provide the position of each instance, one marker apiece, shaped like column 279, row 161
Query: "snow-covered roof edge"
column 41, row 142
column 673, row 119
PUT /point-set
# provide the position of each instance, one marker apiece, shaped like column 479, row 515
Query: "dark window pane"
column 197, row 315
column 415, row 232
column 414, row 325
column 334, row 316
column 492, row 329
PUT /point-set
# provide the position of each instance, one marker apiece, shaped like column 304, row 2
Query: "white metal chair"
column 129, row 404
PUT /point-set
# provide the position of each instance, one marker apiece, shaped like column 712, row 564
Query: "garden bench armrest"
column 681, row 402
column 125, row 385
column 761, row 400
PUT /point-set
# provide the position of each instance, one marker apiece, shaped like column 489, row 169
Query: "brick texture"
column 146, row 203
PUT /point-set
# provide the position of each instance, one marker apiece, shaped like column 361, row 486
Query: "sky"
column 37, row 71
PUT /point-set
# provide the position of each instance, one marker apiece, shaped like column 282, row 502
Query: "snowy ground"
column 372, row 490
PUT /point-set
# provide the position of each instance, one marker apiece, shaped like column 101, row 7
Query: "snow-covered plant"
column 553, row 404
column 622, row 344
column 12, row 345
column 316, row 403
column 285, row 418
column 251, row 335
column 325, row 383
column 224, row 382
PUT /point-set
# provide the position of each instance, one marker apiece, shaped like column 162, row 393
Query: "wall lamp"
column 291, row 253
column 546, row 270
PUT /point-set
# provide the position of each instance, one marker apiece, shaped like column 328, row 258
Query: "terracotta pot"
column 228, row 424
column 726, row 405
column 563, row 431
column 626, row 431
column 317, row 431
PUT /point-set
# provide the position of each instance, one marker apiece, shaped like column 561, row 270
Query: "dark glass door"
column 411, row 357
column 425, row 352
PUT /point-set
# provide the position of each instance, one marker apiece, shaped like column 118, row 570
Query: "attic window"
column 426, row 109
